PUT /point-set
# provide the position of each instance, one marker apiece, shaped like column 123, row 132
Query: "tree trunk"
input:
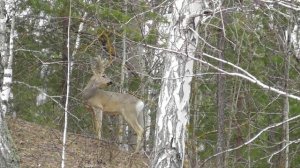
column 172, row 113
column 64, row 55
column 194, row 122
column 68, row 76
column 238, row 124
column 6, row 93
column 221, row 106
column 286, row 108
column 8, row 156
column 173, row 106
column 123, row 127
column 285, row 113
column 3, row 46
column 152, row 97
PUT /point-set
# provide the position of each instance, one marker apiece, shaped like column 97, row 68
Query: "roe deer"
column 112, row 103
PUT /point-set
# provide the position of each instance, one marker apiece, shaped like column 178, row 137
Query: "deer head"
column 100, row 101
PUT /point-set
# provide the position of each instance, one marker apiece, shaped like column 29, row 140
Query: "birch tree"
column 7, row 61
column 183, row 17
column 66, row 109
column 3, row 46
column 8, row 157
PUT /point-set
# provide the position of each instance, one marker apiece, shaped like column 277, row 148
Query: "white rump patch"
column 139, row 106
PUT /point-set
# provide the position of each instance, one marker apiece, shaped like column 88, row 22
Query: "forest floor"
column 38, row 146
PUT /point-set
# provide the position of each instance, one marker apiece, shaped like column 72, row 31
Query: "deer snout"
column 109, row 83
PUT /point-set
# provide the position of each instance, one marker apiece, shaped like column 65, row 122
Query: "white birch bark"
column 41, row 98
column 3, row 46
column 122, row 125
column 173, row 106
column 8, row 157
column 70, row 68
column 63, row 156
column 295, row 39
column 78, row 38
column 6, row 93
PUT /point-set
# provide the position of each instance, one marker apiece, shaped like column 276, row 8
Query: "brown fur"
column 112, row 103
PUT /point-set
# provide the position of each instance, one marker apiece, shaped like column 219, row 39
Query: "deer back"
column 114, row 102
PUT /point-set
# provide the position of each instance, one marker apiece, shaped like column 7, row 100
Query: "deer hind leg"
column 133, row 122
column 98, row 114
column 139, row 141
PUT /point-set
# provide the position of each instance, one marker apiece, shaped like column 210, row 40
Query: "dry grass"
column 38, row 146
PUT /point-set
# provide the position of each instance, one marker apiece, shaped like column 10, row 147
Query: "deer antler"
column 98, row 66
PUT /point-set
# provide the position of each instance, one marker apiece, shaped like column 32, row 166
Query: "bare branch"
column 284, row 147
column 285, row 4
column 246, row 74
column 49, row 96
column 253, row 138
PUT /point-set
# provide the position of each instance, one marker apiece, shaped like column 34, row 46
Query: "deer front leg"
column 98, row 115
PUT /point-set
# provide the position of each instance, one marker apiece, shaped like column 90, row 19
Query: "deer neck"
column 90, row 90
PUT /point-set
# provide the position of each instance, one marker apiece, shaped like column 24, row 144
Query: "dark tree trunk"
column 64, row 58
column 221, row 106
